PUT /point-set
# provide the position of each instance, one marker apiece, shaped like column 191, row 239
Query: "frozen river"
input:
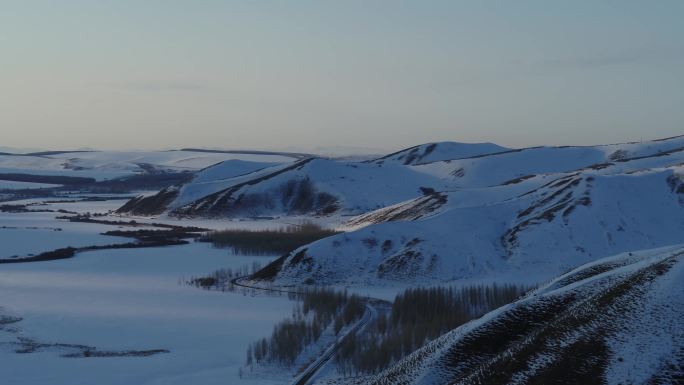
column 123, row 300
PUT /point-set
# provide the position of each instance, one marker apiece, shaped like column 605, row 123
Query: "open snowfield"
column 12, row 185
column 132, row 300
column 103, row 165
column 128, row 316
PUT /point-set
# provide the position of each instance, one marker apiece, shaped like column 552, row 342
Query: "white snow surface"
column 499, row 168
column 358, row 187
column 643, row 339
column 439, row 151
column 528, row 231
column 132, row 300
column 13, row 185
column 111, row 164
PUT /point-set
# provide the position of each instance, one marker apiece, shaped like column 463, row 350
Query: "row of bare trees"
column 320, row 308
column 418, row 316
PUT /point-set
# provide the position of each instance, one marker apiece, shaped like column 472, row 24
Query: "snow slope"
column 508, row 166
column 311, row 186
column 614, row 321
column 433, row 152
column 111, row 164
column 527, row 231
column 325, row 186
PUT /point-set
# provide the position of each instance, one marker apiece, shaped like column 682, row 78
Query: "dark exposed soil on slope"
column 150, row 205
column 296, row 196
column 569, row 332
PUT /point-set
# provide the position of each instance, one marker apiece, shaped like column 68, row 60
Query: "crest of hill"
column 318, row 186
column 116, row 164
column 312, row 186
column 499, row 168
column 433, row 152
column 539, row 230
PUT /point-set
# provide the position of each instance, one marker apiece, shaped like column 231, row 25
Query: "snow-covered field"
column 435, row 214
column 112, row 164
column 12, row 185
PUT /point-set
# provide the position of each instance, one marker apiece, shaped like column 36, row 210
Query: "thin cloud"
column 164, row 86
column 599, row 60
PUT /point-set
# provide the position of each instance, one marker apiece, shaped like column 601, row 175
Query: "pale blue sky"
column 378, row 74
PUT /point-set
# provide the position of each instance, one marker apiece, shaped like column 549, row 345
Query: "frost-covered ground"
column 131, row 300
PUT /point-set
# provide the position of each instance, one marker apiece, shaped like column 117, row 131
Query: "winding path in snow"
column 309, row 374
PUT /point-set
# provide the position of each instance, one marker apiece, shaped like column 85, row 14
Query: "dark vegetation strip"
column 320, row 309
column 70, row 252
column 92, row 353
column 171, row 235
column 418, row 316
column 10, row 208
column 48, row 179
column 264, row 242
column 28, row 346
column 89, row 219
column 151, row 180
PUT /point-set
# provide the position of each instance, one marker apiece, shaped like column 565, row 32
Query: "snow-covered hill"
column 311, row 186
column 528, row 230
column 433, row 152
column 526, row 214
column 510, row 166
column 614, row 321
column 324, row 186
column 111, row 164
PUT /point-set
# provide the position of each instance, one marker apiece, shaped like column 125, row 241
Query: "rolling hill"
column 313, row 186
column 115, row 164
column 440, row 151
column 615, row 320
column 526, row 230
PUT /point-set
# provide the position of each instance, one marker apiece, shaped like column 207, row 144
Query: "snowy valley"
column 556, row 265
